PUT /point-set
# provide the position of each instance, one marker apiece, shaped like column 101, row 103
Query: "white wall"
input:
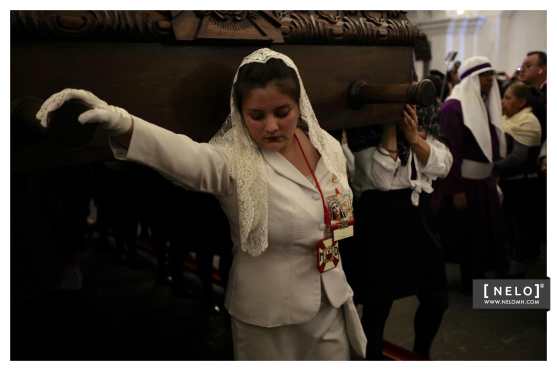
column 504, row 36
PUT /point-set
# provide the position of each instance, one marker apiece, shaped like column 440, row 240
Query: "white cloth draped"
column 477, row 114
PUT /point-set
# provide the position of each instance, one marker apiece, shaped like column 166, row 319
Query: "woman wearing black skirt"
column 397, row 255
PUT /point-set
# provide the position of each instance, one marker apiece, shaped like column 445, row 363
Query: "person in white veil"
column 277, row 175
column 470, row 120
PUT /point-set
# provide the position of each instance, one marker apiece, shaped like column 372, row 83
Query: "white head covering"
column 247, row 165
column 474, row 112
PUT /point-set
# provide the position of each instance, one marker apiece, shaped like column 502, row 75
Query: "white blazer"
column 283, row 285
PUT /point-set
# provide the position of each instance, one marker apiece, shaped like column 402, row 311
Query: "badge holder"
column 342, row 221
column 328, row 254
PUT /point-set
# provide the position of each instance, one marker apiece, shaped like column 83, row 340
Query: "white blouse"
column 374, row 170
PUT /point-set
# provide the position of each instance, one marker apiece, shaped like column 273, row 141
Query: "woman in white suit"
column 276, row 174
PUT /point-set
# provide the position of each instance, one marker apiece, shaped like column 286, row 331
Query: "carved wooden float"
column 175, row 68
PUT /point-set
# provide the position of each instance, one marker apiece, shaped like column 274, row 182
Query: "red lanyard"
column 326, row 214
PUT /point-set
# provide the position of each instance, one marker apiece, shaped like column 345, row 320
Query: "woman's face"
column 511, row 103
column 270, row 117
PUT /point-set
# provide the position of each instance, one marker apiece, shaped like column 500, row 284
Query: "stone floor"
column 123, row 313
column 469, row 334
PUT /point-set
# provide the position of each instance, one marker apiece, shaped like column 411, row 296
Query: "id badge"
column 342, row 219
column 342, row 233
column 328, row 255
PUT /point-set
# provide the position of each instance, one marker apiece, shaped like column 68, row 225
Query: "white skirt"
column 333, row 334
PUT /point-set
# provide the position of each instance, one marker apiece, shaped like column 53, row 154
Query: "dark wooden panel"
column 186, row 88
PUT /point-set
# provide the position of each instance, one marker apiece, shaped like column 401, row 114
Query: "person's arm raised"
column 196, row 166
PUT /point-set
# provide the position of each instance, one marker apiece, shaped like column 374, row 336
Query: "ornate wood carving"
column 249, row 27
column 241, row 26
column 347, row 27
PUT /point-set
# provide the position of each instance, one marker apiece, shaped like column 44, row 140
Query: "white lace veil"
column 247, row 165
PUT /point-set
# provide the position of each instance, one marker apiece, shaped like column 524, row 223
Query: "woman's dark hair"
column 523, row 91
column 532, row 97
column 259, row 75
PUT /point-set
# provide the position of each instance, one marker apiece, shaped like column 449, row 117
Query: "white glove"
column 113, row 119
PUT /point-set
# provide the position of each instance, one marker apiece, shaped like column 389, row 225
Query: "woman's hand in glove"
column 115, row 120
